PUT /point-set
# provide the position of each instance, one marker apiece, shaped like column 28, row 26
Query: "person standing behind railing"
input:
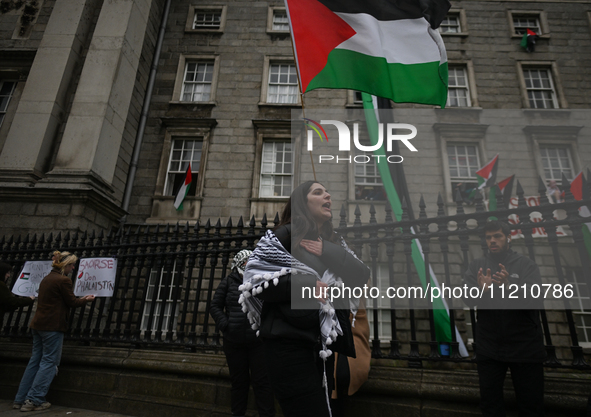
column 8, row 301
column 48, row 327
column 508, row 332
column 244, row 351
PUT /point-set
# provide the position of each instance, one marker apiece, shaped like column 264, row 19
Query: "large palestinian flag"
column 386, row 48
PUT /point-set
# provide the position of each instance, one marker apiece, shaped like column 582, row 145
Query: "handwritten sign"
column 30, row 277
column 535, row 217
column 96, row 276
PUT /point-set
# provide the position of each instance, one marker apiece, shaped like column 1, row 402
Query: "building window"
column 383, row 305
column 463, row 163
column 357, row 97
column 197, row 81
column 276, row 169
column 458, row 94
column 451, row 24
column 277, row 22
column 280, row 22
column 580, row 303
column 540, row 89
column 556, row 161
column 368, row 182
column 521, row 23
column 183, row 153
column 158, row 300
column 283, row 84
column 6, row 91
column 207, row 19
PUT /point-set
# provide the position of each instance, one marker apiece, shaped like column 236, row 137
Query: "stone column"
column 93, row 135
column 27, row 151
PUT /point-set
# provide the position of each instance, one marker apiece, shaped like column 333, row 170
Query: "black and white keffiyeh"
column 270, row 261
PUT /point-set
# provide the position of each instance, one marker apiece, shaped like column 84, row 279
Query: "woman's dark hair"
column 4, row 268
column 303, row 224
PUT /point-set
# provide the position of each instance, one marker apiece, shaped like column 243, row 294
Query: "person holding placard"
column 48, row 327
column 8, row 301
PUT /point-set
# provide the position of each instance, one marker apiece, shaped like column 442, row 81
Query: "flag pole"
column 396, row 170
column 295, row 58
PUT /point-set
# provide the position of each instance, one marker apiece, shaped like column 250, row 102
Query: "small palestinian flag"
column 389, row 49
column 580, row 191
column 487, row 175
column 528, row 42
column 184, row 190
column 506, row 188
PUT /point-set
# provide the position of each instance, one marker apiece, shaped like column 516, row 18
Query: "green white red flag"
column 441, row 318
column 580, row 191
column 487, row 175
column 528, row 42
column 506, row 188
column 184, row 190
column 389, row 49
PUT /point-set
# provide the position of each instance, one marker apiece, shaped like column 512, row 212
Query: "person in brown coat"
column 8, row 301
column 48, row 327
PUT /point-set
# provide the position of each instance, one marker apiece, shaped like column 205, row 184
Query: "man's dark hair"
column 494, row 225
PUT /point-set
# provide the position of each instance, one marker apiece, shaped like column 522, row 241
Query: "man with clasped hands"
column 508, row 330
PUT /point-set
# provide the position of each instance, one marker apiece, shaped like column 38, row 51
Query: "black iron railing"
column 166, row 276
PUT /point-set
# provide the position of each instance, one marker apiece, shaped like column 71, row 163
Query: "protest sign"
column 96, row 276
column 535, row 217
column 33, row 272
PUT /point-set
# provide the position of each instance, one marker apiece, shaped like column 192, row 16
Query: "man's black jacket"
column 508, row 330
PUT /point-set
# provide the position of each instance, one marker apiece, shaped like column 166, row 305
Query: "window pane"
column 6, row 91
column 283, row 84
column 198, row 79
column 368, row 182
column 540, row 89
column 556, row 161
column 276, row 169
column 205, row 19
column 463, row 161
column 183, row 152
column 280, row 22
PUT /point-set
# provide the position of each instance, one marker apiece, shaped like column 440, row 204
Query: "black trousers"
column 247, row 366
column 296, row 377
column 528, row 381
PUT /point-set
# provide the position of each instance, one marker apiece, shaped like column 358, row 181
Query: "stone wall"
column 177, row 384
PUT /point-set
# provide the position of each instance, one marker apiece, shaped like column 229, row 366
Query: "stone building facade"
column 226, row 85
column 75, row 79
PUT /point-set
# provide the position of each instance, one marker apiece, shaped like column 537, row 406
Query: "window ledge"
column 455, row 34
column 460, row 108
column 546, row 36
column 269, row 199
column 294, row 105
column 553, row 113
column 276, row 34
column 193, row 103
column 213, row 31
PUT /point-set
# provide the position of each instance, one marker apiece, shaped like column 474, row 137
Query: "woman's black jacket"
column 228, row 314
column 279, row 320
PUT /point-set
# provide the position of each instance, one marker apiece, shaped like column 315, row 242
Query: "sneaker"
column 43, row 406
column 17, row 406
column 29, row 406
